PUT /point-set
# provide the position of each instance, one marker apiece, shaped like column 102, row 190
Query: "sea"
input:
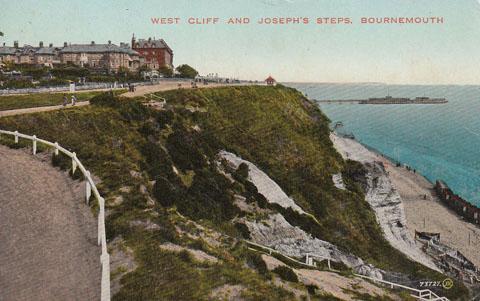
column 440, row 141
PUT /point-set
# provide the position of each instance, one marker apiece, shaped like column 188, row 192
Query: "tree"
column 166, row 71
column 1, row 34
column 144, row 68
column 123, row 73
column 186, row 71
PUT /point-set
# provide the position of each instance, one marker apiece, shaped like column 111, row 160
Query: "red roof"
column 270, row 79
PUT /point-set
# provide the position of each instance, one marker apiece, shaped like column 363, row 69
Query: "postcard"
column 239, row 150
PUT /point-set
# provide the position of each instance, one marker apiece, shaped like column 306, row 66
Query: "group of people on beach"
column 65, row 99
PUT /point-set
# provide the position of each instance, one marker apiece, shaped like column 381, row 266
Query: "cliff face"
column 384, row 199
column 171, row 193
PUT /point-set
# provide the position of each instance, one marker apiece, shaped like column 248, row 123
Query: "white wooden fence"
column 89, row 188
column 423, row 295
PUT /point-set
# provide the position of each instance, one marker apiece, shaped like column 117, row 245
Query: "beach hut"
column 270, row 81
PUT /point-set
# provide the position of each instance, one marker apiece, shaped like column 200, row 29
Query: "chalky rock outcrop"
column 384, row 199
column 266, row 186
column 277, row 233
column 338, row 181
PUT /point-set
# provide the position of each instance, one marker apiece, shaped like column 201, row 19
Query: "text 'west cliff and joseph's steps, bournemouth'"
column 340, row 20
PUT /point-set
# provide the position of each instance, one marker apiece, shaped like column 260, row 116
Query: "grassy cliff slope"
column 163, row 187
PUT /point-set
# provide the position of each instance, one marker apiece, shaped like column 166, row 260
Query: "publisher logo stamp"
column 447, row 283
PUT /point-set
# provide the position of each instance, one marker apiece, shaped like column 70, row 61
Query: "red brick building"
column 153, row 53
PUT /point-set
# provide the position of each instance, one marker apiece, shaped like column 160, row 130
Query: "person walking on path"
column 74, row 99
column 65, row 99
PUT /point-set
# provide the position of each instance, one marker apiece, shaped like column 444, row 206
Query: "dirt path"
column 164, row 86
column 139, row 91
column 48, row 247
column 40, row 109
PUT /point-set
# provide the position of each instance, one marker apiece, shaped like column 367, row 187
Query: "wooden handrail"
column 420, row 294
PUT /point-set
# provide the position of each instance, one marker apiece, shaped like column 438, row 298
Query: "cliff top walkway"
column 48, row 242
column 139, row 91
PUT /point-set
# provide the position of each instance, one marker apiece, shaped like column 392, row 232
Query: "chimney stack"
column 15, row 44
column 40, row 44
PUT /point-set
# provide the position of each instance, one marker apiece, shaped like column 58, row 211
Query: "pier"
column 388, row 100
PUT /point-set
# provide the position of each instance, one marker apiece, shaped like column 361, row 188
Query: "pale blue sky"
column 446, row 53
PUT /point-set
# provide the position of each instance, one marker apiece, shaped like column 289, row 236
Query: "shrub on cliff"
column 185, row 149
column 354, row 175
column 209, row 197
column 130, row 110
column 166, row 193
column 105, row 99
column 286, row 273
column 243, row 230
column 256, row 260
column 164, row 117
column 241, row 174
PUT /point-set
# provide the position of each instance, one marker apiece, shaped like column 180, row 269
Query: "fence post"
column 101, row 221
column 88, row 188
column 74, row 163
column 16, row 136
column 56, row 148
column 105, row 284
column 34, row 145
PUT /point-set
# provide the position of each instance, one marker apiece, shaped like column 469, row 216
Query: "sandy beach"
column 432, row 216
column 428, row 215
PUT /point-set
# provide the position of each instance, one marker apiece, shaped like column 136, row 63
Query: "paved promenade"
column 48, row 245
column 139, row 91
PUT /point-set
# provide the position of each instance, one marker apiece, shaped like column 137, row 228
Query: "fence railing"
column 89, row 188
column 424, row 294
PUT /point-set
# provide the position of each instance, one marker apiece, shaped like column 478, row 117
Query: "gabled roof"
column 47, row 50
column 270, row 79
column 129, row 51
column 76, row 48
column 8, row 50
column 94, row 48
column 152, row 43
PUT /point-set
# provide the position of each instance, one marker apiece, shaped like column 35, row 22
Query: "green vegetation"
column 186, row 71
column 61, row 74
column 166, row 71
column 287, row 136
column 286, row 273
column 171, row 155
column 12, row 102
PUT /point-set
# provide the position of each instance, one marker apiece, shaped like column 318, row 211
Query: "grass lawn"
column 12, row 102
